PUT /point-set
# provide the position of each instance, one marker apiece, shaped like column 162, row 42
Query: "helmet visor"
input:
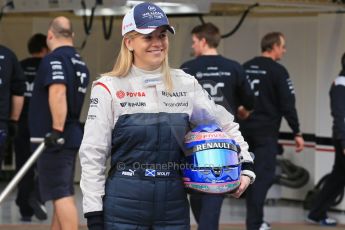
column 213, row 158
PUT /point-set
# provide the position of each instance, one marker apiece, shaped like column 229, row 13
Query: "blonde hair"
column 124, row 63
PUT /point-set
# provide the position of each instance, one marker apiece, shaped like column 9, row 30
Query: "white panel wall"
column 331, row 46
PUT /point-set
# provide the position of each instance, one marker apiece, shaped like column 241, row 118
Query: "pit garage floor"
column 282, row 214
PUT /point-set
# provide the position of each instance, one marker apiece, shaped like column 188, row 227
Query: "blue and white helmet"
column 212, row 161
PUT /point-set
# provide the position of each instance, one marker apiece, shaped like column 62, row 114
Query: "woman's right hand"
column 245, row 182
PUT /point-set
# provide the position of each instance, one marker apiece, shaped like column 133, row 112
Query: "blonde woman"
column 138, row 116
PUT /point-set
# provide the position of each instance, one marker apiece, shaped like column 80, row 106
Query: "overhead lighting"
column 168, row 7
column 179, row 6
column 103, row 11
column 160, row 4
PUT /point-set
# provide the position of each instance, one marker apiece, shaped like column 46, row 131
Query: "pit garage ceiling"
column 178, row 7
column 277, row 6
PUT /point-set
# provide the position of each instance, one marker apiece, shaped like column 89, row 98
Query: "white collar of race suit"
column 340, row 80
column 148, row 78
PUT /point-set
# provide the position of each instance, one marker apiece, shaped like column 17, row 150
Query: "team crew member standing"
column 12, row 86
column 336, row 181
column 275, row 98
column 28, row 199
column 226, row 82
column 139, row 114
column 55, row 107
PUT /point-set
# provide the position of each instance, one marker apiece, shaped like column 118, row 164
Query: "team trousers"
column 265, row 150
column 206, row 209
column 333, row 186
column 27, row 187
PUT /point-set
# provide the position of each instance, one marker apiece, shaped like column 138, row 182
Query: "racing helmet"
column 212, row 162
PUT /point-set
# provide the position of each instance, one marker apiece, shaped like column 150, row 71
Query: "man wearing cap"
column 55, row 106
column 138, row 116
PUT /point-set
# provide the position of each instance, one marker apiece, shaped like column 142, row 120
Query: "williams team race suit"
column 141, row 126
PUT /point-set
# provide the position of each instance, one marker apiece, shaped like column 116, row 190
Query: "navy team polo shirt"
column 29, row 66
column 12, row 81
column 65, row 66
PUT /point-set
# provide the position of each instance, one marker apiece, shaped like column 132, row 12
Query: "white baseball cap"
column 145, row 18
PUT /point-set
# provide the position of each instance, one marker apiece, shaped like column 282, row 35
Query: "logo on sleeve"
column 94, row 102
column 91, row 117
column 290, row 85
column 56, row 67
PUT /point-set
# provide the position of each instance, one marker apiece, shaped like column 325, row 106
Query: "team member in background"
column 225, row 81
column 335, row 183
column 139, row 114
column 274, row 99
column 55, row 106
column 28, row 199
column 12, row 86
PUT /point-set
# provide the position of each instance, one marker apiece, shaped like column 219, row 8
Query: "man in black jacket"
column 28, row 195
column 12, row 85
column 226, row 82
column 274, row 99
column 335, row 183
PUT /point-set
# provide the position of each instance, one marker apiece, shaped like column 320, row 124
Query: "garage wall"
column 314, row 47
column 301, row 59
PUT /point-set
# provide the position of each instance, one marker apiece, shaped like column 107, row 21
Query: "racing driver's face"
column 149, row 50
